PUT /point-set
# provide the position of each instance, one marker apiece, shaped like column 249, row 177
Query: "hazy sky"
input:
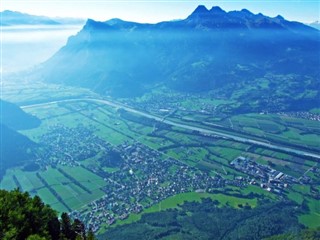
column 159, row 10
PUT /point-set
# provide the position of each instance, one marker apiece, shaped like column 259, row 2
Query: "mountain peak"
column 89, row 23
column 93, row 24
column 246, row 12
column 114, row 21
column 279, row 17
column 216, row 10
column 200, row 12
column 200, row 9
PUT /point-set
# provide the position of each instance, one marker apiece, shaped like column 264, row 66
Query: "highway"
column 183, row 126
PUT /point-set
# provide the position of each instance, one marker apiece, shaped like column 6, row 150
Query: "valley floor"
column 109, row 162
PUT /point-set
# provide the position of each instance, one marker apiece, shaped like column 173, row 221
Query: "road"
column 183, row 126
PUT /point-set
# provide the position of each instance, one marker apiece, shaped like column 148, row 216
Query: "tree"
column 66, row 228
column 54, row 229
column 22, row 216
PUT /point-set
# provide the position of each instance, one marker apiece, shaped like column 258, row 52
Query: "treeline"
column 23, row 217
column 206, row 220
column 305, row 234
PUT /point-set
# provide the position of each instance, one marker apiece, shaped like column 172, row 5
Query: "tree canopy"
column 25, row 217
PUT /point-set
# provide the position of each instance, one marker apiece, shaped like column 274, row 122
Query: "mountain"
column 16, row 149
column 12, row 18
column 210, row 50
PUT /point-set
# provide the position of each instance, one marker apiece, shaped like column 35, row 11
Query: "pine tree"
column 54, row 229
column 79, row 229
column 66, row 227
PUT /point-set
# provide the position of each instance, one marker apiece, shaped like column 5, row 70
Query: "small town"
column 142, row 177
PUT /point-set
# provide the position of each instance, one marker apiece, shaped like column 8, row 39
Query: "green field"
column 312, row 219
column 279, row 128
column 72, row 195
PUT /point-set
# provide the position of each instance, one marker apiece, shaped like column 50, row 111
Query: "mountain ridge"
column 15, row 148
column 12, row 18
column 15, row 118
column 207, row 15
column 197, row 54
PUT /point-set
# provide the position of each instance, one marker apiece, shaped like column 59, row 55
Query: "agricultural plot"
column 34, row 92
column 47, row 197
column 27, row 181
column 70, row 193
column 7, row 182
column 296, row 197
column 311, row 219
column 155, row 142
column 256, row 189
column 280, row 128
column 85, row 177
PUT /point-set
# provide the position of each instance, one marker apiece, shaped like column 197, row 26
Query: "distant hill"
column 16, row 118
column 315, row 25
column 16, row 149
column 12, row 18
column 211, row 50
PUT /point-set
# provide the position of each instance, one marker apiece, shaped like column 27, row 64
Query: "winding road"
column 182, row 125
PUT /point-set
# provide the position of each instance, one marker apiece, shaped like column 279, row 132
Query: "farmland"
column 296, row 129
column 73, row 196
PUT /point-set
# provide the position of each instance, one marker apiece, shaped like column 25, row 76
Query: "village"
column 142, row 177
column 264, row 176
column 166, row 105
column 80, row 143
